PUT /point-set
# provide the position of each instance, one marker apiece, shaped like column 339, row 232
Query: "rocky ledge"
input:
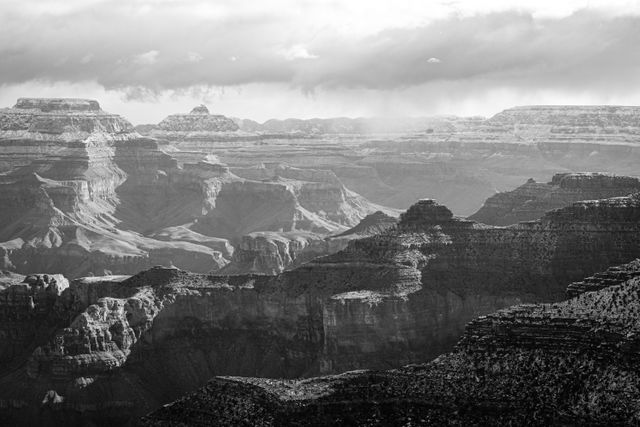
column 84, row 194
column 274, row 252
column 61, row 121
column 532, row 200
column 399, row 297
column 198, row 120
column 568, row 363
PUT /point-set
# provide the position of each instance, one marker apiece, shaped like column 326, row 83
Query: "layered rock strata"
column 272, row 252
column 399, row 297
column 85, row 194
column 567, row 363
column 532, row 200
column 197, row 125
column 83, row 189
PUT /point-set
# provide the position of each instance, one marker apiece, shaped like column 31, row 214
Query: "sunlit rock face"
column 460, row 161
column 273, row 252
column 532, row 200
column 85, row 194
column 567, row 363
column 78, row 189
column 398, row 297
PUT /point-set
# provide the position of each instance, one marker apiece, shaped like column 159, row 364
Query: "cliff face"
column 197, row 125
column 83, row 189
column 273, row 252
column 394, row 298
column 532, row 200
column 83, row 193
column 459, row 161
column 567, row 363
column 198, row 119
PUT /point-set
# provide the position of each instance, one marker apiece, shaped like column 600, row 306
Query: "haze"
column 289, row 58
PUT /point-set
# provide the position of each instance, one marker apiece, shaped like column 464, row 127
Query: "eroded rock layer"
column 532, row 200
column 568, row 363
column 272, row 252
column 459, row 161
column 83, row 193
column 399, row 297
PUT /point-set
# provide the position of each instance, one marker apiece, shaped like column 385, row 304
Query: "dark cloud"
column 160, row 50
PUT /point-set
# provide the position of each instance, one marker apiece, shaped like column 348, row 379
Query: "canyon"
column 83, row 193
column 532, row 200
column 113, row 348
column 208, row 246
column 566, row 363
column 460, row 161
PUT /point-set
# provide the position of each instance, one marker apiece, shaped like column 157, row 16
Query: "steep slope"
column 460, row 161
column 532, row 200
column 76, row 196
column 197, row 125
column 83, row 193
column 568, row 363
column 272, row 253
column 395, row 298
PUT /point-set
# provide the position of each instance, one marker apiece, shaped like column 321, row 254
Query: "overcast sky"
column 145, row 59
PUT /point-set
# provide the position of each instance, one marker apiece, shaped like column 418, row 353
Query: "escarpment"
column 532, row 200
column 195, row 127
column 273, row 252
column 83, row 193
column 460, row 161
column 77, row 195
column 568, row 363
column 399, row 297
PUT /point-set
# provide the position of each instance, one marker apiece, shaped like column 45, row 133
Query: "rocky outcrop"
column 197, row 126
column 83, row 190
column 27, row 313
column 612, row 276
column 274, row 252
column 269, row 252
column 85, row 194
column 459, row 161
column 566, row 363
column 197, row 120
column 399, row 297
column 532, row 200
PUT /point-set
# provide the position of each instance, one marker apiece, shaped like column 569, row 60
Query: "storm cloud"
column 121, row 49
column 144, row 48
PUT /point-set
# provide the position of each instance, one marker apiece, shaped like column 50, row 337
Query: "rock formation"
column 567, row 363
column 273, row 252
column 399, row 297
column 198, row 119
column 82, row 190
column 532, row 200
column 459, row 161
column 84, row 193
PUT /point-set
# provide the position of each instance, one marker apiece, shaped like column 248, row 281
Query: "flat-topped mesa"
column 425, row 213
column 47, row 105
column 198, row 120
column 612, row 210
column 532, row 200
column 63, row 121
column 591, row 181
column 570, row 115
